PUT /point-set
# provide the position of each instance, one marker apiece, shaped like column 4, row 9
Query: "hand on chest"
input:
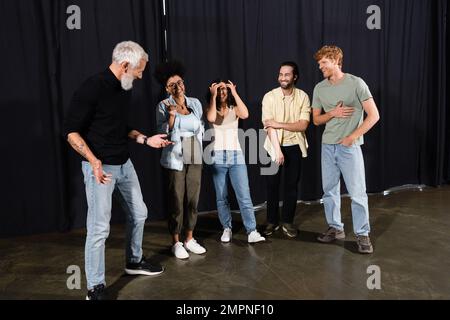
column 333, row 98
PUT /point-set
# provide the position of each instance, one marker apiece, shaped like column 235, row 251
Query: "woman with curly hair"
column 224, row 111
column 180, row 117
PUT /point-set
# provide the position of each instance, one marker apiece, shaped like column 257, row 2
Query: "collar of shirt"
column 189, row 104
column 289, row 98
column 279, row 93
column 111, row 78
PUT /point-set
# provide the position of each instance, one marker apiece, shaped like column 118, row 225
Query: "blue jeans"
column 337, row 159
column 99, row 200
column 232, row 163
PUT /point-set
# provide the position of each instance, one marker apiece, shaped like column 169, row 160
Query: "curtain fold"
column 45, row 63
column 404, row 65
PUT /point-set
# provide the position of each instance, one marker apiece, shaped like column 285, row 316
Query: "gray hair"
column 129, row 51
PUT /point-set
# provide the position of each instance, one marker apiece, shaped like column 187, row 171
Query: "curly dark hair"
column 168, row 69
column 231, row 102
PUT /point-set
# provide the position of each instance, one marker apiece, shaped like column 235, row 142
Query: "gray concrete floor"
column 410, row 233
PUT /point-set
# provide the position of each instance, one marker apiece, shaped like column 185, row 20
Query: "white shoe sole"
column 257, row 241
column 181, row 258
column 141, row 272
column 195, row 252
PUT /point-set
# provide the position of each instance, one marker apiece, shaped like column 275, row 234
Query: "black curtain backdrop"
column 403, row 64
column 43, row 61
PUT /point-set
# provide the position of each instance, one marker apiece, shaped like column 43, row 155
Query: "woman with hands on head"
column 223, row 113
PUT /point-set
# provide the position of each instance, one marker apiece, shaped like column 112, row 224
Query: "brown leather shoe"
column 331, row 235
column 364, row 244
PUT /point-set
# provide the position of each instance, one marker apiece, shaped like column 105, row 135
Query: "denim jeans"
column 337, row 159
column 99, row 200
column 232, row 163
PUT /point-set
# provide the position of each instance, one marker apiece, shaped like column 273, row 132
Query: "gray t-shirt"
column 352, row 91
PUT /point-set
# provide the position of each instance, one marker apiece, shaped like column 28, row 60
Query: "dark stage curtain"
column 404, row 64
column 45, row 62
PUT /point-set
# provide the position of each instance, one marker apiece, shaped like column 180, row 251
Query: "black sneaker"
column 289, row 230
column 270, row 229
column 143, row 268
column 364, row 244
column 97, row 293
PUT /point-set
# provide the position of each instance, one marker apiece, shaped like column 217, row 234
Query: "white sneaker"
column 226, row 236
column 255, row 237
column 179, row 251
column 193, row 246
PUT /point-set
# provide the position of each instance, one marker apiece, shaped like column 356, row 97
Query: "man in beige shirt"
column 285, row 115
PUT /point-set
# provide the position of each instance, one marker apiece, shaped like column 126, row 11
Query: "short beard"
column 127, row 81
column 288, row 86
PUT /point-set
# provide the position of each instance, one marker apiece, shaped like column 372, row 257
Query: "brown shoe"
column 331, row 235
column 364, row 244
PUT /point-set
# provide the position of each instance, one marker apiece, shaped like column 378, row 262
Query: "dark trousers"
column 291, row 170
column 182, row 196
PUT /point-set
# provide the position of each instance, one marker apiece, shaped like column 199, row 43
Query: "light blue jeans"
column 99, row 200
column 349, row 161
column 232, row 163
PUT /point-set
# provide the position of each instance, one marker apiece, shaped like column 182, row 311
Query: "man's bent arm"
column 372, row 118
column 319, row 118
column 80, row 146
column 134, row 135
column 299, row 126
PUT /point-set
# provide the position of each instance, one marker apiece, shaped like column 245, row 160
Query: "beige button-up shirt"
column 273, row 107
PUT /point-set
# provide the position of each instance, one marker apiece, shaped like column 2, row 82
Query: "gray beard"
column 126, row 81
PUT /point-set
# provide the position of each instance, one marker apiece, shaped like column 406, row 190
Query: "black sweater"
column 99, row 112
